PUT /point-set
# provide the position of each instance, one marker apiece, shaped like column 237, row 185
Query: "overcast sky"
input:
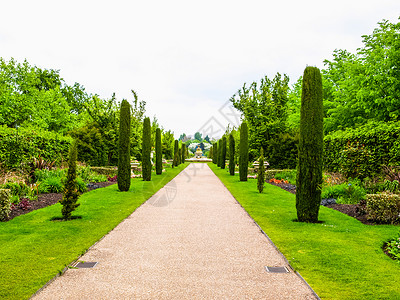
column 184, row 58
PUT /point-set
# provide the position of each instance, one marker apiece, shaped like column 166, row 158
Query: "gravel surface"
column 191, row 240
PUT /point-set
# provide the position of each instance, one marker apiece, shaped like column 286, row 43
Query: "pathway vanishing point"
column 191, row 240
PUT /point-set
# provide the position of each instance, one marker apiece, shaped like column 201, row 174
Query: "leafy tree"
column 182, row 137
column 365, row 86
column 158, row 152
column 207, row 139
column 261, row 172
column 124, row 157
column 168, row 141
column 265, row 109
column 243, row 152
column 70, row 194
column 223, row 150
column 146, row 150
column 309, row 168
column 139, row 108
column 197, row 136
column 231, row 155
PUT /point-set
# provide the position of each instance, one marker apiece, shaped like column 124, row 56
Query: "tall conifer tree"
column 124, row 152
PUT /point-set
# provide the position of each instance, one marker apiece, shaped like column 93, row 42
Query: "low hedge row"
column 110, row 171
column 19, row 146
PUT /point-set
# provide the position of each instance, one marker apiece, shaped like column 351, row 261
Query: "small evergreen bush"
column 261, row 172
column 5, row 204
column 231, row 155
column 383, row 208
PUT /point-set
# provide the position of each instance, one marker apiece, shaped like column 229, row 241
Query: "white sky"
column 184, row 58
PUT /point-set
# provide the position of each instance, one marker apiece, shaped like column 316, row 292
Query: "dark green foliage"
column 183, row 150
column 19, row 146
column 309, row 168
column 71, row 193
column 179, row 156
column 124, row 157
column 282, row 151
column 215, row 153
column 223, row 154
column 210, row 155
column 176, row 154
column 146, row 150
column 158, row 152
column 243, row 152
column 220, row 151
column 231, row 155
column 361, row 152
column 261, row 172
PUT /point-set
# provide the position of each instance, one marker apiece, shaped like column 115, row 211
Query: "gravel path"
column 191, row 240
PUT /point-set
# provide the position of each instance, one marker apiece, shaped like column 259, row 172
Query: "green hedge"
column 362, row 152
column 109, row 171
column 5, row 204
column 18, row 146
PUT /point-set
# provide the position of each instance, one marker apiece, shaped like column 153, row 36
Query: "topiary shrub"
column 146, row 150
column 71, row 193
column 219, row 164
column 175, row 162
column 183, row 153
column 309, row 167
column 261, row 172
column 223, row 152
column 5, row 204
column 158, row 152
column 215, row 154
column 124, row 157
column 231, row 155
column 243, row 152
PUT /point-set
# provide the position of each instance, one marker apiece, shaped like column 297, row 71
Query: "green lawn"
column 340, row 258
column 34, row 248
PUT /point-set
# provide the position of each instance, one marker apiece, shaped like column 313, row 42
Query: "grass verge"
column 34, row 248
column 340, row 258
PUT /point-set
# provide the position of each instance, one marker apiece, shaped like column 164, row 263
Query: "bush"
column 215, row 154
column 51, row 185
column 351, row 192
column 393, row 248
column 108, row 171
column 223, row 152
column 383, row 208
column 124, row 152
column 269, row 174
column 231, row 155
column 5, row 204
column 288, row 175
column 261, row 172
column 159, row 166
column 19, row 189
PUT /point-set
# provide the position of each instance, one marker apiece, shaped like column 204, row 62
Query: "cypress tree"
column 243, row 152
column 176, row 153
column 124, row 153
column 210, row 155
column 219, row 152
column 146, row 150
column 223, row 155
column 309, row 166
column 183, row 153
column 179, row 156
column 158, row 152
column 261, row 172
column 231, row 155
column 215, row 153
column 70, row 194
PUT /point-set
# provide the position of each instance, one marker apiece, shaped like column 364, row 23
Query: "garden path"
column 191, row 240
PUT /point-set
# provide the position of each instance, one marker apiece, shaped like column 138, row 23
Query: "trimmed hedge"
column 19, row 146
column 362, row 152
column 5, row 204
column 383, row 208
column 111, row 171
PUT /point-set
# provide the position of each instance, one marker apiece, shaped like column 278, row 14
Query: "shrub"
column 159, row 166
column 5, row 204
column 215, row 153
column 288, row 175
column 393, row 248
column 183, row 153
column 309, row 167
column 124, row 156
column 19, row 189
column 231, row 155
column 175, row 162
column 261, row 172
column 220, row 151
column 146, row 150
column 109, row 171
column 71, row 194
column 223, row 154
column 243, row 152
column 51, row 185
column 269, row 174
column 383, row 208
